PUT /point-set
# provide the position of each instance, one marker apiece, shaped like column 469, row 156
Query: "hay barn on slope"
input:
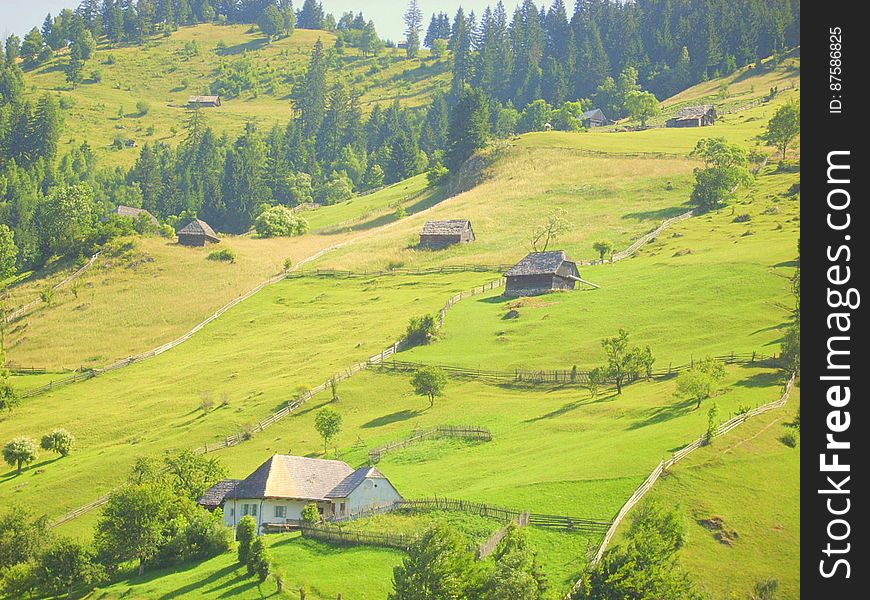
column 594, row 118
column 197, row 233
column 204, row 101
column 440, row 234
column 694, row 116
column 541, row 272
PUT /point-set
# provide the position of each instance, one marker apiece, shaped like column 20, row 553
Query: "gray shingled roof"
column 215, row 495
column 198, row 227
column 595, row 112
column 203, row 99
column 694, row 112
column 352, row 481
column 129, row 211
column 297, row 477
column 454, row 227
column 539, row 263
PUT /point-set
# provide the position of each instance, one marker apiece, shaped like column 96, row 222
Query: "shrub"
column 744, row 218
column 279, row 221
column 223, row 255
column 246, row 531
column 421, row 330
column 790, row 438
column 96, row 76
column 310, row 514
column 142, row 108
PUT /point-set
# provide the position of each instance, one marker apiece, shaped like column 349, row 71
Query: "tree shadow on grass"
column 241, row 48
column 665, row 413
column 761, row 380
column 198, row 585
column 402, row 415
column 571, row 406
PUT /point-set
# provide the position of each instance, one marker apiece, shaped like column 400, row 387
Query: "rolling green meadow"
column 166, row 71
column 709, row 285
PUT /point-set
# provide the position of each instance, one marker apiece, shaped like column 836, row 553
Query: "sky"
column 19, row 16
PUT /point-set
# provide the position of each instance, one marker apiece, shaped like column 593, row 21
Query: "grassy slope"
column 610, row 445
column 155, row 73
column 748, row 478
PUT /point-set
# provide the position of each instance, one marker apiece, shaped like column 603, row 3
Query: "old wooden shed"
column 197, row 233
column 541, row 272
column 440, row 234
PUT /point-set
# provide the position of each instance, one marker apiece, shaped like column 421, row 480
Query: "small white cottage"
column 280, row 488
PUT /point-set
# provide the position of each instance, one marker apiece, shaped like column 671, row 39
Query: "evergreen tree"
column 413, row 27
column 310, row 94
column 468, row 130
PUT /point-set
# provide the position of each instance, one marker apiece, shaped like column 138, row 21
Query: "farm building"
column 134, row 213
column 440, row 234
column 694, row 116
column 204, row 101
column 594, row 118
column 197, row 233
column 280, row 488
column 541, row 272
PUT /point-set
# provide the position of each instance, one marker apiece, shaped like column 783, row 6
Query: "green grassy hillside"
column 167, row 70
column 709, row 285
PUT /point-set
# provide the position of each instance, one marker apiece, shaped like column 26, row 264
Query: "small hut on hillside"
column 594, row 118
column 204, row 101
column 197, row 233
column 694, row 116
column 134, row 213
column 440, row 234
column 541, row 272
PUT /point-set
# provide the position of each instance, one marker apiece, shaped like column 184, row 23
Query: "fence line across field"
column 442, row 431
column 21, row 311
column 292, row 405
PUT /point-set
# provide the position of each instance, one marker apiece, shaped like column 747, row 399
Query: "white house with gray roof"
column 277, row 491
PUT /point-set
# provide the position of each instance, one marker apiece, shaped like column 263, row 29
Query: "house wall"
column 233, row 510
column 439, row 241
column 372, row 493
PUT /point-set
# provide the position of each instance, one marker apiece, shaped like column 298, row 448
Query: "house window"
column 249, row 509
column 281, row 512
column 342, row 508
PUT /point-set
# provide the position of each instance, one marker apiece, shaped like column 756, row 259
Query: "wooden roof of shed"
column 130, row 211
column 694, row 112
column 451, row 227
column 203, row 99
column 540, row 263
column 198, row 227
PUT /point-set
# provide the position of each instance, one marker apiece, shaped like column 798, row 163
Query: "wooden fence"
column 675, row 458
column 441, row 431
column 566, row 376
column 336, row 535
column 565, row 523
column 347, row 274
column 81, row 510
column 23, row 310
column 489, row 546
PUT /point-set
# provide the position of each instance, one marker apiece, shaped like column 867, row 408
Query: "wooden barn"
column 134, row 213
column 594, row 118
column 694, row 116
column 204, row 101
column 541, row 272
column 197, row 233
column 440, row 234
